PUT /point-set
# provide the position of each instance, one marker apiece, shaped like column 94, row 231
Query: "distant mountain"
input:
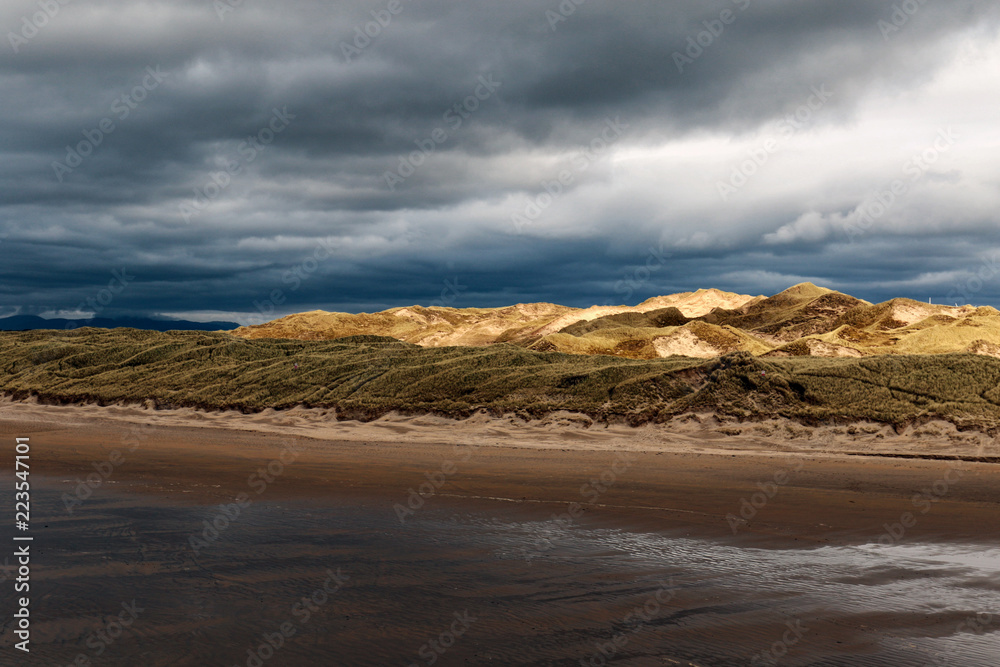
column 29, row 322
column 803, row 320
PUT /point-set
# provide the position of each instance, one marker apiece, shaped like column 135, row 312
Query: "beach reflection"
column 339, row 580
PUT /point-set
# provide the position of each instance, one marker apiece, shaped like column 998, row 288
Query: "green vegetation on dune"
column 363, row 376
column 663, row 317
column 898, row 389
column 368, row 376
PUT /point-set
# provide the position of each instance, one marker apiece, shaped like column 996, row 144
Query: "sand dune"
column 368, row 377
column 803, row 320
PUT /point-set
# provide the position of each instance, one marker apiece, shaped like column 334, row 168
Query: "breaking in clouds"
column 247, row 159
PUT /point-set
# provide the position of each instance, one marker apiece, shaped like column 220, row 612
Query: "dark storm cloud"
column 189, row 184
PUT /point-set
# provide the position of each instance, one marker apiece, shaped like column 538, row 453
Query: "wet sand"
column 736, row 550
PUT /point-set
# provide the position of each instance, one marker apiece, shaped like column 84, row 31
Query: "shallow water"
column 487, row 584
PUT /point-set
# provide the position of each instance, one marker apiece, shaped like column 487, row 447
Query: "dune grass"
column 365, row 377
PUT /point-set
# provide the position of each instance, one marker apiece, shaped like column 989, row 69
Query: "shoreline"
column 811, row 490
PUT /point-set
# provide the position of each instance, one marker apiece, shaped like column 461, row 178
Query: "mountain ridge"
column 34, row 322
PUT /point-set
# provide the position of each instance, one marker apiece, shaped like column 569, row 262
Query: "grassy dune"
column 368, row 376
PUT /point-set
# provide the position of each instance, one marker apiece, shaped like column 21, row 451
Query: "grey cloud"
column 324, row 176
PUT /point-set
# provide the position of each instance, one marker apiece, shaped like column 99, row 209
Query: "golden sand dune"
column 430, row 327
column 702, row 302
column 803, row 320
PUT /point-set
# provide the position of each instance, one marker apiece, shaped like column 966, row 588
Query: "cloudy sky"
column 243, row 159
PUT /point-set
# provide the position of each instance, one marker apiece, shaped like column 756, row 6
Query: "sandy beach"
column 562, row 519
column 841, row 485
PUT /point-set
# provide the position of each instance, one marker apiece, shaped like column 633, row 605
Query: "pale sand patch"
column 683, row 342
